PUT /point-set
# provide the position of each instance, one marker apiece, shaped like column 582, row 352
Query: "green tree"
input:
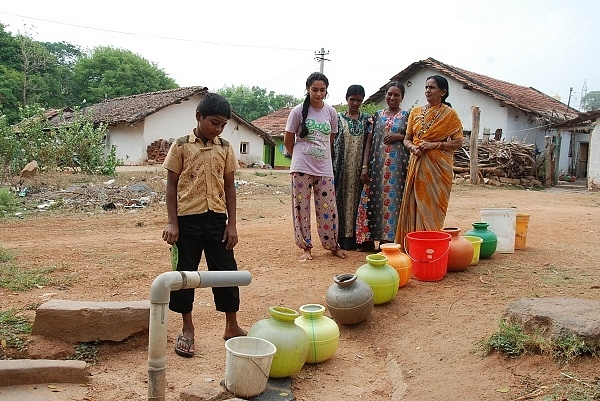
column 109, row 73
column 591, row 101
column 253, row 102
column 35, row 61
column 59, row 78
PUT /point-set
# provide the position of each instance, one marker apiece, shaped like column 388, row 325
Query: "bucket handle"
column 424, row 261
column 259, row 368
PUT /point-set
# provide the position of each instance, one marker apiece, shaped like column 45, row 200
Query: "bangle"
column 439, row 145
column 365, row 166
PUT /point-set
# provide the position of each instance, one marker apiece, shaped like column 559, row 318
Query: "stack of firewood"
column 157, row 151
column 498, row 158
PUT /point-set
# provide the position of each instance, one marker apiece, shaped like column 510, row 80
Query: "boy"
column 201, row 212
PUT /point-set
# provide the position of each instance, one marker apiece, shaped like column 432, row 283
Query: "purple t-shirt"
column 312, row 154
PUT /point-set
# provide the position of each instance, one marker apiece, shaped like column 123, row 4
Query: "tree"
column 109, row 73
column 59, row 77
column 591, row 101
column 34, row 61
column 253, row 102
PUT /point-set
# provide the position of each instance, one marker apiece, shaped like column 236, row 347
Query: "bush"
column 76, row 144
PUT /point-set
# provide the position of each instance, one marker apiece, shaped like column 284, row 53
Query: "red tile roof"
column 526, row 99
column 274, row 123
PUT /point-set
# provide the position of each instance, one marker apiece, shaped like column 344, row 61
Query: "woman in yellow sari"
column 433, row 132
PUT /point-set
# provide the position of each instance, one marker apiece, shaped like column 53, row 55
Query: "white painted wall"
column 237, row 133
column 129, row 142
column 172, row 122
column 593, row 178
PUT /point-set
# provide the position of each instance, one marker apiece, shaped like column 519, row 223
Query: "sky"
column 550, row 45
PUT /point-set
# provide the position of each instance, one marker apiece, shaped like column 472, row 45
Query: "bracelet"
column 439, row 145
column 365, row 166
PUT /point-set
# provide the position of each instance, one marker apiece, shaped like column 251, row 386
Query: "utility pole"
column 320, row 57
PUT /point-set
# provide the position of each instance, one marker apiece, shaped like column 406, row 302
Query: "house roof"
column 526, row 99
column 274, row 123
column 129, row 110
column 585, row 120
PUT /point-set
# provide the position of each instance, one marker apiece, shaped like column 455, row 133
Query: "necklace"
column 424, row 111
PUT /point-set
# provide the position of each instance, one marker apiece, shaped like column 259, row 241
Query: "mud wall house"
column 274, row 125
column 583, row 146
column 509, row 112
column 138, row 122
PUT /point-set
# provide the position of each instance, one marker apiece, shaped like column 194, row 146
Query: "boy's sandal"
column 181, row 351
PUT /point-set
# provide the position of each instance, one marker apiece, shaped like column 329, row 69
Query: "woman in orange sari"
column 434, row 131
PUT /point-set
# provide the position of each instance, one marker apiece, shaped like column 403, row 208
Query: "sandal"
column 181, row 351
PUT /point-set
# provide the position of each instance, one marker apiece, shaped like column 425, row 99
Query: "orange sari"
column 429, row 176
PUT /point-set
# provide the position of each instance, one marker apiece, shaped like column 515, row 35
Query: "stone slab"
column 557, row 317
column 31, row 371
column 84, row 321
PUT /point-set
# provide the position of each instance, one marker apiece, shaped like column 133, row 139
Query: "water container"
column 503, row 222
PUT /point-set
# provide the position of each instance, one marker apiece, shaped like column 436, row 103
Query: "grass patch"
column 511, row 340
column 12, row 328
column 87, row 352
column 19, row 279
column 8, row 201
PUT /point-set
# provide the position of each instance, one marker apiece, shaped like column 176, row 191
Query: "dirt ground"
column 420, row 347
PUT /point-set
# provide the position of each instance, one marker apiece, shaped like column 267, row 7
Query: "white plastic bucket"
column 247, row 365
column 503, row 223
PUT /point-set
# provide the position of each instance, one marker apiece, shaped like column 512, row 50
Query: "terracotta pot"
column 460, row 254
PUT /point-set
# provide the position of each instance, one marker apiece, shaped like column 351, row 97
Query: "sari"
column 429, row 176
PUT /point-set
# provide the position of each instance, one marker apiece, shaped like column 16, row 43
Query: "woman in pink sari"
column 433, row 132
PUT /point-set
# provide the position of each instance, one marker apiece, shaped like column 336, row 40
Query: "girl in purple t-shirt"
column 309, row 134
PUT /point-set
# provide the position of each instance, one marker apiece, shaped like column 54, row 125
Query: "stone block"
column 33, row 371
column 84, row 321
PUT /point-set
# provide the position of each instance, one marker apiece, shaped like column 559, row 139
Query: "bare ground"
column 421, row 346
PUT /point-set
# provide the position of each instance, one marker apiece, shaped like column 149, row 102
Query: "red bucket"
column 428, row 251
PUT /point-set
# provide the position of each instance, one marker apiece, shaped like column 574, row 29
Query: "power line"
column 156, row 36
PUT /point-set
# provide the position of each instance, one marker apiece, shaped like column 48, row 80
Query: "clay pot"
column 398, row 260
column 323, row 333
column 460, row 254
column 350, row 299
column 289, row 338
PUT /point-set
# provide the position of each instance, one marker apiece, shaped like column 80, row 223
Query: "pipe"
column 160, row 293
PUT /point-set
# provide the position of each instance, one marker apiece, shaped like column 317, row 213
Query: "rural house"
column 147, row 122
column 508, row 112
column 274, row 125
column 587, row 127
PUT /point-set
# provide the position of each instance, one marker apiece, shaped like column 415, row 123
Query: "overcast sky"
column 551, row 45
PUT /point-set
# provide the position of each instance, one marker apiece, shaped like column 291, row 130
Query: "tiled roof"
column 132, row 109
column 585, row 119
column 274, row 123
column 526, row 99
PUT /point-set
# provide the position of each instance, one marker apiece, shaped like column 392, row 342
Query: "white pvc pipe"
column 160, row 293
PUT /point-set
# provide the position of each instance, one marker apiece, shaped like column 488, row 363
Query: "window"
column 244, row 148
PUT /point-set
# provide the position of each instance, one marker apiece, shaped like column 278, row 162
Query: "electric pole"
column 320, row 57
